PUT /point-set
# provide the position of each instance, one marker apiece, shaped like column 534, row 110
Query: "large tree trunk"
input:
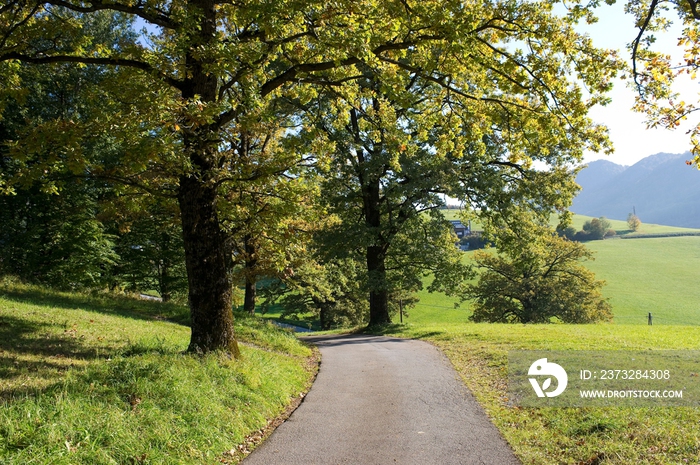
column 208, row 269
column 378, row 294
column 376, row 257
column 207, row 256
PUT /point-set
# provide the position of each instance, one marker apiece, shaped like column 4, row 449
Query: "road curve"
column 380, row 400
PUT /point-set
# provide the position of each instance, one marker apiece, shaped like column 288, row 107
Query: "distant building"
column 460, row 229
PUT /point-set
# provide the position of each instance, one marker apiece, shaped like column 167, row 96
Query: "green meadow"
column 656, row 275
column 650, row 275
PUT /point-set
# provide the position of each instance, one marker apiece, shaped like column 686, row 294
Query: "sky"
column 631, row 139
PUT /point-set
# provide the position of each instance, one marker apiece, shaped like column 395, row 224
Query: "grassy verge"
column 98, row 380
column 569, row 435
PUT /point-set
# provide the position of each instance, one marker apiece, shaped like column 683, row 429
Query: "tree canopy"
column 488, row 87
column 536, row 278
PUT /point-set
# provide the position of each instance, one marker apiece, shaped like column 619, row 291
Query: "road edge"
column 312, row 365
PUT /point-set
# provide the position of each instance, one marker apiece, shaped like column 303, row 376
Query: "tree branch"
column 637, row 40
column 442, row 81
column 21, row 23
column 93, row 61
column 160, row 18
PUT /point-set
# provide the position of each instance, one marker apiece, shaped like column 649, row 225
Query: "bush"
column 569, row 233
column 593, row 230
column 582, row 236
column 474, row 240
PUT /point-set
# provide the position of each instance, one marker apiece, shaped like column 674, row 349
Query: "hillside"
column 661, row 188
column 104, row 380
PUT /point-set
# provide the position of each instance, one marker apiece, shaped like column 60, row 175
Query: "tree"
column 539, row 280
column 401, row 138
column 634, row 222
column 47, row 238
column 653, row 71
column 56, row 240
column 149, row 244
column 274, row 222
column 595, row 229
column 184, row 97
column 380, row 183
column 333, row 291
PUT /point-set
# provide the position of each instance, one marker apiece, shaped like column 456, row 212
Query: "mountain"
column 661, row 188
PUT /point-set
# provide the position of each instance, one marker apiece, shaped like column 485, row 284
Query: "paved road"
column 380, row 400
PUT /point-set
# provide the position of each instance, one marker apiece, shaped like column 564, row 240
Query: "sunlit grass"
column 92, row 380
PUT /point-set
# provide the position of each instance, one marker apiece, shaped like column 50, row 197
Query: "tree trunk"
column 376, row 257
column 378, row 294
column 250, row 263
column 324, row 314
column 207, row 257
column 249, row 299
column 208, row 269
column 164, row 280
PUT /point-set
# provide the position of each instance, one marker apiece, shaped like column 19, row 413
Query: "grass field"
column 656, row 275
column 623, row 230
column 103, row 380
column 650, row 275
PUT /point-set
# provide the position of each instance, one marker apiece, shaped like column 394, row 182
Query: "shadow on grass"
column 32, row 351
column 23, row 337
column 113, row 305
column 37, row 355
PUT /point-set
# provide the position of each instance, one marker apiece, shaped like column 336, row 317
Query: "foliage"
column 331, row 291
column 594, row 229
column 568, row 232
column 502, row 82
column 149, row 244
column 50, row 233
column 537, row 278
column 634, row 222
column 55, row 240
column 270, row 221
column 654, row 72
column 474, row 240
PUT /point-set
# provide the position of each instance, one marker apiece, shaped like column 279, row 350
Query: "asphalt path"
column 380, row 400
